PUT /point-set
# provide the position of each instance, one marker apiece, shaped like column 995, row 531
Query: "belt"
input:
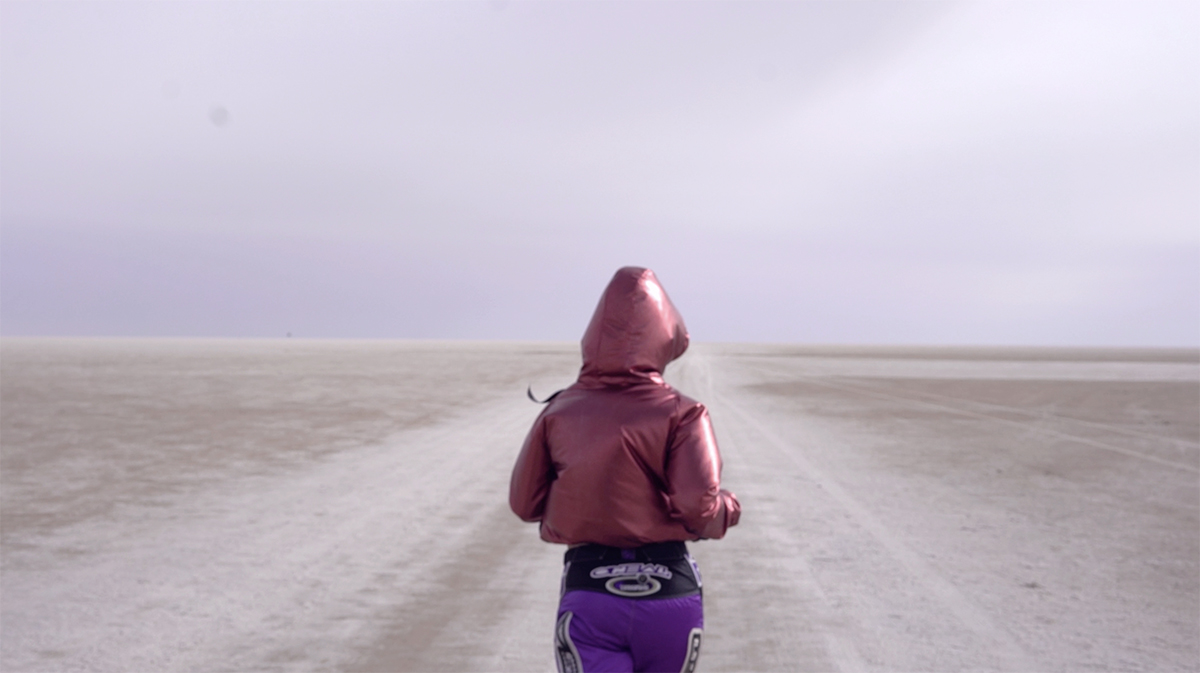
column 658, row 570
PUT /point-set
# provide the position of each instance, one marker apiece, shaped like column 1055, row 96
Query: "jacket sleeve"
column 694, row 478
column 531, row 476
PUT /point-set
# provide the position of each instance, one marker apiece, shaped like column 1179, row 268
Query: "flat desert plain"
column 295, row 505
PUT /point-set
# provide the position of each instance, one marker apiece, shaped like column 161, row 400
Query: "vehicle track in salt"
column 1002, row 619
column 838, row 637
column 959, row 409
column 883, row 529
column 387, row 550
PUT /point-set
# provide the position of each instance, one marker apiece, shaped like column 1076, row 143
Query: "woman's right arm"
column 694, row 478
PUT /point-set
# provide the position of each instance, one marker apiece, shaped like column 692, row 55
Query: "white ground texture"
column 176, row 505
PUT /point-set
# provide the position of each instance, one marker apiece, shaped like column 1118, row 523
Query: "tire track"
column 840, row 648
column 1001, row 644
column 490, row 587
column 1182, row 443
column 917, row 403
column 766, row 609
column 298, row 570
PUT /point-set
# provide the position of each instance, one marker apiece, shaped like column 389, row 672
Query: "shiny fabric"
column 620, row 458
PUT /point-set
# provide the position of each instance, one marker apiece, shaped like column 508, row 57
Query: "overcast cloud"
column 893, row 172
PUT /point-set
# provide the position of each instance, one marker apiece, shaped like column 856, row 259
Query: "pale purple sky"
column 855, row 172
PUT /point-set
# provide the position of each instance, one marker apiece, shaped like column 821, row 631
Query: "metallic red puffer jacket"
column 620, row 458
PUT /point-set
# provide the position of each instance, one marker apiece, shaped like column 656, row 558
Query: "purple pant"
column 599, row 633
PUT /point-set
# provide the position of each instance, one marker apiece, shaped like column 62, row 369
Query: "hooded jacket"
column 620, row 458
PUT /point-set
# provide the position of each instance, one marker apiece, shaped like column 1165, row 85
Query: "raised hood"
column 634, row 332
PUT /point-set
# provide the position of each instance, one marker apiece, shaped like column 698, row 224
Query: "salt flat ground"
column 177, row 505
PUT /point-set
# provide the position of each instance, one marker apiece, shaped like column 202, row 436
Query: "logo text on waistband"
column 628, row 569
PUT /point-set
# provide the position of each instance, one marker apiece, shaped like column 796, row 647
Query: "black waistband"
column 649, row 553
column 660, row 570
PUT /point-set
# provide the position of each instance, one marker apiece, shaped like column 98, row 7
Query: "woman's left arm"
column 531, row 476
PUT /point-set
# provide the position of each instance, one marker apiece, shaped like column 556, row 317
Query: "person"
column 625, row 470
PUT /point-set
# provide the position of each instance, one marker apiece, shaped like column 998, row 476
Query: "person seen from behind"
column 625, row 470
